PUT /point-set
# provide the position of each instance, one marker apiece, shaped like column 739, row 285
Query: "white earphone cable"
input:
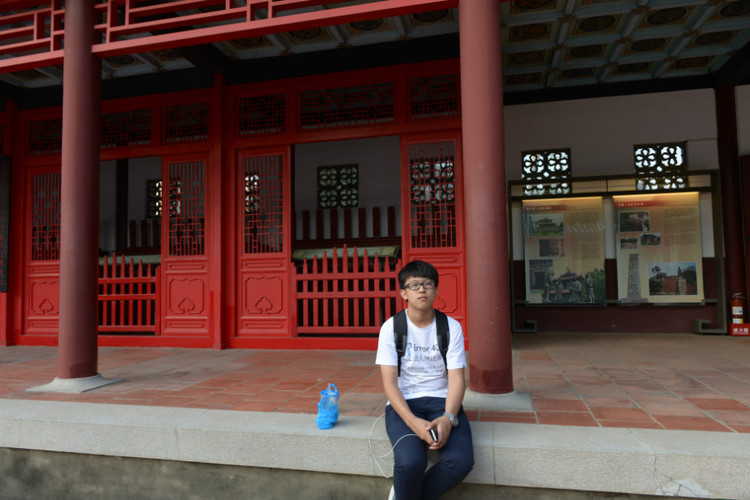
column 372, row 453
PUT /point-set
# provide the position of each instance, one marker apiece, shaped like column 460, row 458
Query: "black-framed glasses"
column 415, row 285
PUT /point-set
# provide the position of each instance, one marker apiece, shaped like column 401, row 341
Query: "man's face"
column 419, row 292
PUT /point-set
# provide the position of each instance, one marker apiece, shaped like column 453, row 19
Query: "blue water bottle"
column 328, row 407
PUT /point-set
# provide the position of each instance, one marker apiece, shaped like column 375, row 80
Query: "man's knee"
column 459, row 465
column 412, row 464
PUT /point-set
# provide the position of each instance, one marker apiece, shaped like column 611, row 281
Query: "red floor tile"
column 194, row 392
column 621, row 414
column 257, row 406
column 172, row 401
column 718, row 404
column 558, row 405
column 675, row 408
column 608, row 402
column 689, row 423
column 731, row 417
column 566, row 418
column 275, row 396
column 631, row 424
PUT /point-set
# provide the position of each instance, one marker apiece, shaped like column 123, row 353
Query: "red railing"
column 346, row 293
column 128, row 297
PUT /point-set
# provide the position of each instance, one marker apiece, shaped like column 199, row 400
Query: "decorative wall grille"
column 264, row 204
column 546, row 172
column 154, row 202
column 186, row 122
column 433, row 195
column 187, row 208
column 434, row 96
column 264, row 114
column 126, row 128
column 338, row 186
column 45, row 217
column 346, row 106
column 45, row 137
column 660, row 166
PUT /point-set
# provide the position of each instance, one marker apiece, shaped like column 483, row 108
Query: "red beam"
column 11, row 34
column 41, row 60
column 174, row 22
column 258, row 27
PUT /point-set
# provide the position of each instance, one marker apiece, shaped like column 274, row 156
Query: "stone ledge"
column 633, row 461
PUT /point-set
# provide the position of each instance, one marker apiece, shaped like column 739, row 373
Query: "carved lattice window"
column 186, row 122
column 45, row 217
column 546, row 172
column 347, row 106
column 338, row 186
column 126, row 128
column 45, row 137
column 187, row 208
column 660, row 166
column 153, row 198
column 264, row 114
column 433, row 195
column 434, row 96
column 263, row 205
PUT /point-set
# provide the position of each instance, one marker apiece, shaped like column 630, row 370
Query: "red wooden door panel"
column 264, row 305
column 42, row 287
column 185, row 264
column 432, row 213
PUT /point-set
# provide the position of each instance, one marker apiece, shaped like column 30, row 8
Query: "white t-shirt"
column 422, row 369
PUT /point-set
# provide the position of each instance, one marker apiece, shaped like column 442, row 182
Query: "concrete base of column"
column 511, row 401
column 75, row 385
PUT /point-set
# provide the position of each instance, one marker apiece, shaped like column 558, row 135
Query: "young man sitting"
column 425, row 393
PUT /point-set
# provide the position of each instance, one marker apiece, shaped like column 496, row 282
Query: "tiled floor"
column 668, row 381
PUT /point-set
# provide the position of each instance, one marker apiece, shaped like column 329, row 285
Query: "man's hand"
column 443, row 428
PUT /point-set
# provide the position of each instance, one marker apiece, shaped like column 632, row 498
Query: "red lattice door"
column 433, row 215
column 264, row 237
column 42, row 291
column 185, row 264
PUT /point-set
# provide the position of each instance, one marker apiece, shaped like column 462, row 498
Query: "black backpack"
column 399, row 335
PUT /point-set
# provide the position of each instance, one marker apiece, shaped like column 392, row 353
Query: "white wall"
column 141, row 169
column 742, row 97
column 379, row 172
column 601, row 132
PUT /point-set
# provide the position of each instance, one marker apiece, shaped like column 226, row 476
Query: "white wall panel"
column 601, row 132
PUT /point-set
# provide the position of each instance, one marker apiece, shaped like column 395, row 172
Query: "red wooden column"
column 487, row 268
column 731, row 193
column 79, row 216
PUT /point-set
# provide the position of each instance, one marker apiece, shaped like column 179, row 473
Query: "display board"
column 564, row 251
column 658, row 242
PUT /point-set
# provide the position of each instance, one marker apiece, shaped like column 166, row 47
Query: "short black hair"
column 417, row 269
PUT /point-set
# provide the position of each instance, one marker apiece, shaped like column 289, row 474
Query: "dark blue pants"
column 410, row 481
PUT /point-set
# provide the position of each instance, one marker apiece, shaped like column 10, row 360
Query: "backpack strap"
column 399, row 335
column 443, row 335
